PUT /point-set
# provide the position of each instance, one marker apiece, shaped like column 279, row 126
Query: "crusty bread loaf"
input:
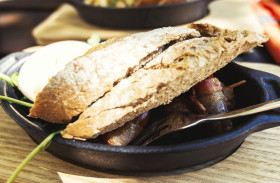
column 89, row 77
column 169, row 74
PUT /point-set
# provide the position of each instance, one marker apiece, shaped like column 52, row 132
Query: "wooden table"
column 257, row 160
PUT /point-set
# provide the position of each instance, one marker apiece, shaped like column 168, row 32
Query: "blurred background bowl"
column 143, row 17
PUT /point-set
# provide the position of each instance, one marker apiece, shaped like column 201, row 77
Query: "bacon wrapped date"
column 179, row 104
column 209, row 97
column 125, row 134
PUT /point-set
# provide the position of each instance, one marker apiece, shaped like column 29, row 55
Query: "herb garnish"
column 13, row 81
column 12, row 100
column 41, row 147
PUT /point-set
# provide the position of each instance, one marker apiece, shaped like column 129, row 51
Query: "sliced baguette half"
column 89, row 77
column 166, row 76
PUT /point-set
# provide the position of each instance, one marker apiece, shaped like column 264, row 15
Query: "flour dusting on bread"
column 171, row 73
column 89, row 77
column 121, row 78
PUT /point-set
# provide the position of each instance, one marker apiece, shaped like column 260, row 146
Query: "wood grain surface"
column 257, row 160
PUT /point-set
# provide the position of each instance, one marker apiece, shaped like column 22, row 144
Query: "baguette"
column 168, row 74
column 87, row 78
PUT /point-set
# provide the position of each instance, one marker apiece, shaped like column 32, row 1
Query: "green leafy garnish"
column 94, row 39
column 14, row 79
column 11, row 80
column 12, row 100
column 41, row 147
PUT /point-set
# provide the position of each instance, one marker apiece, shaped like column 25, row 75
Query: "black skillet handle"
column 259, row 87
column 270, row 86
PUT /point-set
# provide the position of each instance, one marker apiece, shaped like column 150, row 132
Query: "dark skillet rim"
column 31, row 127
column 245, row 130
column 80, row 3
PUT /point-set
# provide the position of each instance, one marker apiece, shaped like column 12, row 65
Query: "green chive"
column 12, row 100
column 7, row 79
column 41, row 147
column 14, row 79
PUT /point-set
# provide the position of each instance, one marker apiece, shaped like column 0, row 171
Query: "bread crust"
column 87, row 78
column 168, row 75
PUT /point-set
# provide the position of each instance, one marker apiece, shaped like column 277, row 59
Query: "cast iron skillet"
column 185, row 151
column 143, row 17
